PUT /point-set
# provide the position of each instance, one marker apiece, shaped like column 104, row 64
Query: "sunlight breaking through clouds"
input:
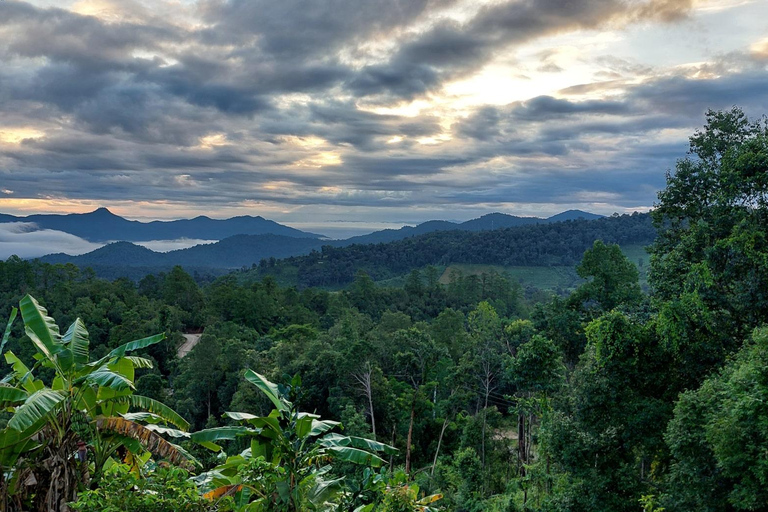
column 174, row 108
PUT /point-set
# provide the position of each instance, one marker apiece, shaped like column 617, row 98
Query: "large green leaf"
column 172, row 432
column 13, row 443
column 23, row 374
column 35, row 408
column 105, row 395
column 159, row 408
column 136, row 345
column 210, row 436
column 146, row 417
column 77, row 340
column 270, row 422
column 8, row 326
column 323, row 490
column 355, row 455
column 322, row 426
column 357, row 442
column 10, row 394
column 269, row 389
column 40, row 328
column 87, row 401
column 139, row 362
column 109, row 379
column 216, row 434
column 303, row 427
column 240, row 416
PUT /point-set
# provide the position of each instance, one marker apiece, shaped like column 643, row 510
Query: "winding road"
column 188, row 345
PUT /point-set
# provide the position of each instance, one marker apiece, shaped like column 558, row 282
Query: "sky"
column 344, row 116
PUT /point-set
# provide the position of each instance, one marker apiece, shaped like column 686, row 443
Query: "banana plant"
column 288, row 466
column 83, row 408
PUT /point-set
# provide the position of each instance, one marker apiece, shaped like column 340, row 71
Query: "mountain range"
column 242, row 241
column 232, row 252
column 102, row 225
column 487, row 222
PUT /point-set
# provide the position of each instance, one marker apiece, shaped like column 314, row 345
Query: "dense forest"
column 463, row 396
column 558, row 243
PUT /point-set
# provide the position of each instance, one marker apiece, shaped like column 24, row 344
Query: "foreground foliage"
column 157, row 490
column 81, row 407
column 289, row 463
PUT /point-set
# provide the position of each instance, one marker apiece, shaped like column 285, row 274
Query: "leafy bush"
column 166, row 489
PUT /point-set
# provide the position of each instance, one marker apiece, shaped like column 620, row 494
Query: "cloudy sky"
column 339, row 115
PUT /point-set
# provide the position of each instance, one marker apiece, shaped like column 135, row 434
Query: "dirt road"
column 188, row 345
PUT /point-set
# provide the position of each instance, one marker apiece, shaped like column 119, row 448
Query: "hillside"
column 125, row 259
column 487, row 222
column 538, row 245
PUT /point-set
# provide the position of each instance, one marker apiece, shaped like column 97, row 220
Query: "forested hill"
column 487, row 222
column 124, row 259
column 556, row 244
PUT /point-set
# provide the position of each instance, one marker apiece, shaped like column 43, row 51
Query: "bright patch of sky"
column 336, row 124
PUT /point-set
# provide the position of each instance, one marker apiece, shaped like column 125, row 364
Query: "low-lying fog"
column 26, row 240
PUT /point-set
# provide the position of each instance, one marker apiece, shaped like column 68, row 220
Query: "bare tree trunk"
column 364, row 378
column 521, row 443
column 410, row 437
column 392, row 457
column 439, row 442
column 529, row 441
column 482, row 440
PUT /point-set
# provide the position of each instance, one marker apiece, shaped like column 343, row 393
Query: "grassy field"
column 638, row 255
column 544, row 278
column 549, row 278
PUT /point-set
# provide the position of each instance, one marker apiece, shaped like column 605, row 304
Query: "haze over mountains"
column 240, row 241
column 102, row 225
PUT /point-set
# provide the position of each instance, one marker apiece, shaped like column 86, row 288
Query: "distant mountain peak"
column 101, row 225
column 573, row 215
column 102, row 210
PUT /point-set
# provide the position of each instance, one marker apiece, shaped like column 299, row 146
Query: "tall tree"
column 711, row 219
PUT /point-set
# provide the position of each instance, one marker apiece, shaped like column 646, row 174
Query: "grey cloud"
column 297, row 29
column 689, row 97
column 542, row 108
column 344, row 123
column 121, row 127
column 450, row 50
column 514, row 125
column 82, row 40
